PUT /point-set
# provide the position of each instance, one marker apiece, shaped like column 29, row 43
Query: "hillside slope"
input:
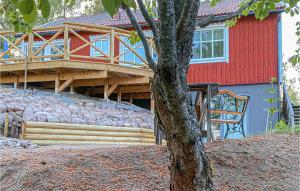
column 257, row 163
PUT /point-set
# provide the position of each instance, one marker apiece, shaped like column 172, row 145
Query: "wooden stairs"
column 296, row 109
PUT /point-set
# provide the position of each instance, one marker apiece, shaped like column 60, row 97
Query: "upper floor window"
column 102, row 43
column 128, row 56
column 210, row 45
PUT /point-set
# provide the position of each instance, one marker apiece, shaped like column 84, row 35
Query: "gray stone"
column 52, row 119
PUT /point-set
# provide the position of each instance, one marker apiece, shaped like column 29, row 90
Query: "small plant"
column 281, row 127
column 272, row 109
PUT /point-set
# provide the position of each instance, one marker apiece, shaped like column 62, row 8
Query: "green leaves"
column 111, row 6
column 31, row 16
column 45, row 8
column 26, row 6
column 214, row 2
column 130, row 3
column 134, row 37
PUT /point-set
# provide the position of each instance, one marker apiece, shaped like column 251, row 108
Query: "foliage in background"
column 93, row 7
column 292, row 83
column 295, row 60
column 22, row 15
column 282, row 127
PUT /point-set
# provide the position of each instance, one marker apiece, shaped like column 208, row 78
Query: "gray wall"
column 257, row 114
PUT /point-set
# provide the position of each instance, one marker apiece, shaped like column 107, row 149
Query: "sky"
column 289, row 37
column 289, row 45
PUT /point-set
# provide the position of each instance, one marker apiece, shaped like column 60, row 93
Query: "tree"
column 93, row 6
column 173, row 38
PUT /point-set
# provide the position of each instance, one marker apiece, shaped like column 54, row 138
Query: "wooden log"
column 87, row 133
column 55, row 142
column 86, row 138
column 6, row 123
column 32, row 124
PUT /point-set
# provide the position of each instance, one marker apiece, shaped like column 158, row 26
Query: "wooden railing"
column 56, row 43
column 288, row 108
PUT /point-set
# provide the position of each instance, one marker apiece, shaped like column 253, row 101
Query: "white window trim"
column 47, row 49
column 95, row 53
column 226, row 46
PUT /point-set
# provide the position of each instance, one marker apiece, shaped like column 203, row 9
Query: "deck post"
column 112, row 46
column 105, row 89
column 66, row 42
column 119, row 95
column 72, row 89
column 209, row 131
column 57, row 84
column 29, row 57
column 16, row 83
column 131, row 98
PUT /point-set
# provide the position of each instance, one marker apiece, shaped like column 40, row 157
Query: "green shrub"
column 282, row 127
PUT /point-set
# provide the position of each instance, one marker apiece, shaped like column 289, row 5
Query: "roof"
column 104, row 19
column 222, row 8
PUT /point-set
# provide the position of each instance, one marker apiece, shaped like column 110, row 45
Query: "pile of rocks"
column 15, row 143
column 45, row 106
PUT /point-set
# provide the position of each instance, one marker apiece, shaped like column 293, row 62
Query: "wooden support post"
column 112, row 88
column 105, row 89
column 209, row 131
column 65, row 85
column 112, row 46
column 6, row 123
column 22, row 136
column 119, row 95
column 152, row 106
column 131, row 99
column 66, row 43
column 72, row 89
column 16, row 83
column 29, row 58
column 57, row 83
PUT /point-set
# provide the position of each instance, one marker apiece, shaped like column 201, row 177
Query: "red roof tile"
column 224, row 7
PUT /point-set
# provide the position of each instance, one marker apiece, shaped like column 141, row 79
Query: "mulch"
column 256, row 163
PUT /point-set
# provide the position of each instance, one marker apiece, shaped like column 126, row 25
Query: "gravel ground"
column 257, row 163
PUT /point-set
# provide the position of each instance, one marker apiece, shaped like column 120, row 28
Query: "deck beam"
column 52, row 77
column 77, row 65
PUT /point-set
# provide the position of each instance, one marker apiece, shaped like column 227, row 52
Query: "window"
column 59, row 44
column 48, row 50
column 102, row 42
column 128, row 55
column 210, row 45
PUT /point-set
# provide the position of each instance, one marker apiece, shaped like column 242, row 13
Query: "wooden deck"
column 69, row 66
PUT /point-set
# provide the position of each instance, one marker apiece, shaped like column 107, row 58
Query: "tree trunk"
column 190, row 167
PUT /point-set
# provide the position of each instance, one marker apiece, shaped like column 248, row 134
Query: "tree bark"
column 190, row 168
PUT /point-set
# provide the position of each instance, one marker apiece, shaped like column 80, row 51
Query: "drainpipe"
column 280, row 70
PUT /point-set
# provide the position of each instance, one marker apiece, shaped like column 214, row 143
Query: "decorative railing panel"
column 73, row 42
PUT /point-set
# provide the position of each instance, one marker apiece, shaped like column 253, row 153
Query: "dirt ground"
column 257, row 163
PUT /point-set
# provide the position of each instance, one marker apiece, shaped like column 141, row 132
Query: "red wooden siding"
column 252, row 55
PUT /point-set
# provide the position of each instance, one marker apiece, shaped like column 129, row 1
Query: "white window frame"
column 47, row 49
column 95, row 53
column 225, row 58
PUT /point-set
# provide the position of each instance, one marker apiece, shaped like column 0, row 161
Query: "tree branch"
column 217, row 18
column 185, row 13
column 150, row 21
column 185, row 29
column 141, row 34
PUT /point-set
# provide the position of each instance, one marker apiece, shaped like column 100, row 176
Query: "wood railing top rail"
column 33, row 52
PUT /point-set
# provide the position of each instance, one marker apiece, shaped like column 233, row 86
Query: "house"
column 93, row 55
